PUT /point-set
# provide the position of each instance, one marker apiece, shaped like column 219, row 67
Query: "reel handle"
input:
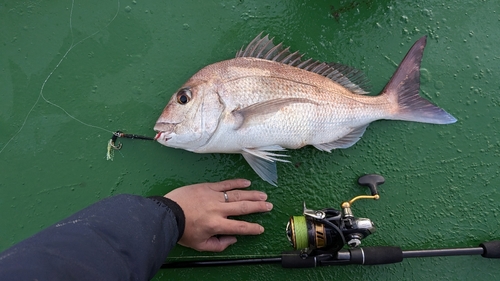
column 372, row 181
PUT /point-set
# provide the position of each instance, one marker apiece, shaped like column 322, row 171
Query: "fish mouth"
column 160, row 136
column 163, row 131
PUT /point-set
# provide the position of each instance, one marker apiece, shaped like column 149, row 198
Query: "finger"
column 229, row 184
column 217, row 244
column 246, row 207
column 235, row 227
column 242, row 195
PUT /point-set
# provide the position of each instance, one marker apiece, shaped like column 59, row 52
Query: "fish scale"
column 268, row 99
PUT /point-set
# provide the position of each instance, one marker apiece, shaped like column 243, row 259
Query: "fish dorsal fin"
column 264, row 48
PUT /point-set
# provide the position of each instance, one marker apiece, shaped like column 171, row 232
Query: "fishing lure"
column 113, row 145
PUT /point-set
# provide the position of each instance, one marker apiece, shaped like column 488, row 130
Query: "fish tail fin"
column 403, row 91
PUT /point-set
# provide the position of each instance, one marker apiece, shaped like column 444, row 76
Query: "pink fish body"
column 268, row 99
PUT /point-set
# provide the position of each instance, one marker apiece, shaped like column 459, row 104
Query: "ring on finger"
column 226, row 198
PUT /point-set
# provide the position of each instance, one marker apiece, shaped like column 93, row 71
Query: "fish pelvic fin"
column 403, row 91
column 263, row 162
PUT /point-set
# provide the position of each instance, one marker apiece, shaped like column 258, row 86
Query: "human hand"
column 206, row 211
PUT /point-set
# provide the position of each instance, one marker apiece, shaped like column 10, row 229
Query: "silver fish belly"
column 268, row 99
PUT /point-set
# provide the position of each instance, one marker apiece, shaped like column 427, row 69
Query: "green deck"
column 441, row 185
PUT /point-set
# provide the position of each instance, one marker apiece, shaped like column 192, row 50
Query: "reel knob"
column 372, row 181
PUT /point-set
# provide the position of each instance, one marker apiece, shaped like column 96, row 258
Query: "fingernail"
column 262, row 196
column 246, row 183
column 261, row 229
column 269, row 206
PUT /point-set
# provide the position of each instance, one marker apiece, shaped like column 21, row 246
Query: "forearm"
column 124, row 237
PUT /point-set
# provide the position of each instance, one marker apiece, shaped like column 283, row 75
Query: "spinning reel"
column 331, row 229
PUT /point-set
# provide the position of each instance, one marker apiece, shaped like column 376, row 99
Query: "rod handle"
column 376, row 255
column 491, row 249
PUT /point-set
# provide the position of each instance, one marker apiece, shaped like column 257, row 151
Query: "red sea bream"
column 268, row 99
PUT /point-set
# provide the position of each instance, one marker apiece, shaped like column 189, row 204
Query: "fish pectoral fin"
column 346, row 141
column 262, row 162
column 245, row 115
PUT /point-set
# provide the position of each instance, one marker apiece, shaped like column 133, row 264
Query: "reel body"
column 331, row 232
column 331, row 229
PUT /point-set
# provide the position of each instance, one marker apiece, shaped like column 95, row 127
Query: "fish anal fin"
column 262, row 162
column 346, row 141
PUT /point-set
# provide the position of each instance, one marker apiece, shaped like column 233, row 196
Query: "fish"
column 268, row 99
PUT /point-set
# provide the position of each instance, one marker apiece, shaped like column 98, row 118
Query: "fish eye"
column 184, row 96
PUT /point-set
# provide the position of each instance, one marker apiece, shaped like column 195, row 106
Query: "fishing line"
column 301, row 232
column 42, row 96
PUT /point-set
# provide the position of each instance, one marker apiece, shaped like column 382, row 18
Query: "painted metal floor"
column 73, row 72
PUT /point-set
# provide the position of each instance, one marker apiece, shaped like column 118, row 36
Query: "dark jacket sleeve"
column 124, row 237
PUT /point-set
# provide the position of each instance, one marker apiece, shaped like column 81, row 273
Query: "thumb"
column 218, row 244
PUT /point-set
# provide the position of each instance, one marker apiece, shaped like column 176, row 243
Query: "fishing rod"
column 319, row 238
column 361, row 256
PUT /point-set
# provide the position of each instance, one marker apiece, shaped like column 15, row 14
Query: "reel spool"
column 306, row 232
column 329, row 228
